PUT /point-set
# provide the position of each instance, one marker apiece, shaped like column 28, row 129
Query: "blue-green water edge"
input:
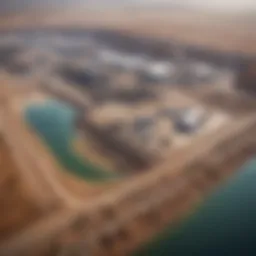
column 54, row 122
column 224, row 225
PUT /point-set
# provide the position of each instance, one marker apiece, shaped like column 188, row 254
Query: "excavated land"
column 18, row 209
column 59, row 212
column 115, row 217
column 120, row 220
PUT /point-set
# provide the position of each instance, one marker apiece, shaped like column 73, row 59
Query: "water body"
column 224, row 225
column 54, row 122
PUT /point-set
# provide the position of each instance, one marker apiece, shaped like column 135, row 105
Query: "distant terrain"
column 220, row 31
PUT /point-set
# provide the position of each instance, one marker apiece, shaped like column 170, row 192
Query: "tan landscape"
column 52, row 210
column 65, row 191
column 223, row 32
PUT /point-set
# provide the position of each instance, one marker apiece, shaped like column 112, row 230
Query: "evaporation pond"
column 54, row 122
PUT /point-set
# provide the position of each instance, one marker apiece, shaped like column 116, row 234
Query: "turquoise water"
column 224, row 225
column 55, row 124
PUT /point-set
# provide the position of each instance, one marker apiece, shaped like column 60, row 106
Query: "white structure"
column 122, row 60
column 161, row 70
column 190, row 120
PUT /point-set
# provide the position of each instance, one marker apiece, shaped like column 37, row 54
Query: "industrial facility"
column 107, row 145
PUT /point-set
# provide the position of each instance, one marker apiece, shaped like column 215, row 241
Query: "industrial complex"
column 111, row 139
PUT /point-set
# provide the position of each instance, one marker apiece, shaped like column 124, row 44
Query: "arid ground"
column 220, row 31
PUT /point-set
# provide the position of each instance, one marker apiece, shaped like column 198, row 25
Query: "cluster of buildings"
column 123, row 119
column 106, row 75
column 41, row 53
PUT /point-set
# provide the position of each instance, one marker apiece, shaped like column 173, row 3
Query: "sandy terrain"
column 219, row 31
column 123, row 199
column 18, row 210
column 62, row 182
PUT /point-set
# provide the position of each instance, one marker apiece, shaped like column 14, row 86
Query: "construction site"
column 107, row 137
